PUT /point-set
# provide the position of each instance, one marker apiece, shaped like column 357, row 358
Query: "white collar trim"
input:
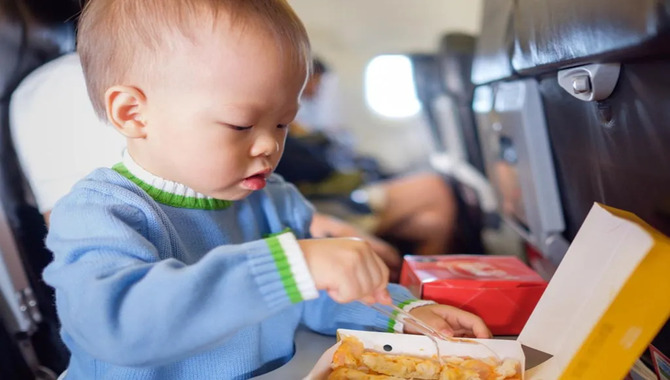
column 158, row 182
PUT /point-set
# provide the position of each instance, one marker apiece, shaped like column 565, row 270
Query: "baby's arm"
column 326, row 316
column 123, row 304
column 449, row 320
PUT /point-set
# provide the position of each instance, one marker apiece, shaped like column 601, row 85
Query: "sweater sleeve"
column 326, row 316
column 118, row 299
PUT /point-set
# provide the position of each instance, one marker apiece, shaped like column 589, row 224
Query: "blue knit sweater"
column 155, row 281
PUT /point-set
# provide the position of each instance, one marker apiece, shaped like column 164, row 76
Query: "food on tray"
column 351, row 361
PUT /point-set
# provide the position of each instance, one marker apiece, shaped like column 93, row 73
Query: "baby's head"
column 202, row 89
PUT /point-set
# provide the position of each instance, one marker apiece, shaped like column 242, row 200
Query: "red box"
column 502, row 290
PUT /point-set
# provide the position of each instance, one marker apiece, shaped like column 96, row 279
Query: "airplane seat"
column 448, row 156
column 567, row 103
column 602, row 71
column 514, row 144
column 455, row 57
column 571, row 108
column 493, row 47
column 32, row 32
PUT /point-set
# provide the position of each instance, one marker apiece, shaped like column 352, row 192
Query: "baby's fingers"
column 465, row 323
column 368, row 300
column 348, row 291
column 382, row 296
column 435, row 321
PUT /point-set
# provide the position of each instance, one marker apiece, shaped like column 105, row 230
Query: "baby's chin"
column 228, row 194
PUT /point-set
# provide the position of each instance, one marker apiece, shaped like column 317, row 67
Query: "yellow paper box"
column 608, row 299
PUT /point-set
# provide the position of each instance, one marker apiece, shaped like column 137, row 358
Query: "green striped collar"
column 167, row 192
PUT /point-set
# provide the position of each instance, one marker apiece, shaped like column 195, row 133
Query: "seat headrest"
column 456, row 54
column 493, row 50
column 32, row 32
column 426, row 73
column 52, row 11
column 552, row 34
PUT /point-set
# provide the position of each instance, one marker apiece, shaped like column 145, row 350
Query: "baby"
column 190, row 259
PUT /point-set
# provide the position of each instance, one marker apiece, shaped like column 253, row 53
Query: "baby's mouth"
column 256, row 181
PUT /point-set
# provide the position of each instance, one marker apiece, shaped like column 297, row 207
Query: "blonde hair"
column 116, row 37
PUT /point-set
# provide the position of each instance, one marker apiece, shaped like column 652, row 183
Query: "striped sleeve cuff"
column 397, row 324
column 286, row 265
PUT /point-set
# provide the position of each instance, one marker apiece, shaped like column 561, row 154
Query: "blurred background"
column 349, row 34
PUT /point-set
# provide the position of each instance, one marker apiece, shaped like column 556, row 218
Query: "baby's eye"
column 282, row 126
column 240, row 128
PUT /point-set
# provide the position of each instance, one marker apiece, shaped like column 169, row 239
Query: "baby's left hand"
column 449, row 320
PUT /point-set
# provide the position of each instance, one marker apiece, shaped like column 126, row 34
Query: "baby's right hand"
column 347, row 268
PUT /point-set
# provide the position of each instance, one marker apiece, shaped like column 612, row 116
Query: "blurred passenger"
column 57, row 136
column 319, row 104
column 189, row 259
column 318, row 122
column 419, row 208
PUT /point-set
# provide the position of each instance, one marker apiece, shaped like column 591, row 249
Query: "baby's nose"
column 265, row 146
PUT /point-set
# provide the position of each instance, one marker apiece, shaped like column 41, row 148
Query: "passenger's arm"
column 47, row 215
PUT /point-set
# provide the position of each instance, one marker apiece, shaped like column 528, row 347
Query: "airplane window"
column 389, row 86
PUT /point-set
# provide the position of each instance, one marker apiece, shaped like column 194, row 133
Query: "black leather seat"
column 600, row 69
column 492, row 59
column 549, row 35
column 32, row 32
column 612, row 150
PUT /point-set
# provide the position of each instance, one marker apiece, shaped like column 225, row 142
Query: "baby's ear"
column 124, row 110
